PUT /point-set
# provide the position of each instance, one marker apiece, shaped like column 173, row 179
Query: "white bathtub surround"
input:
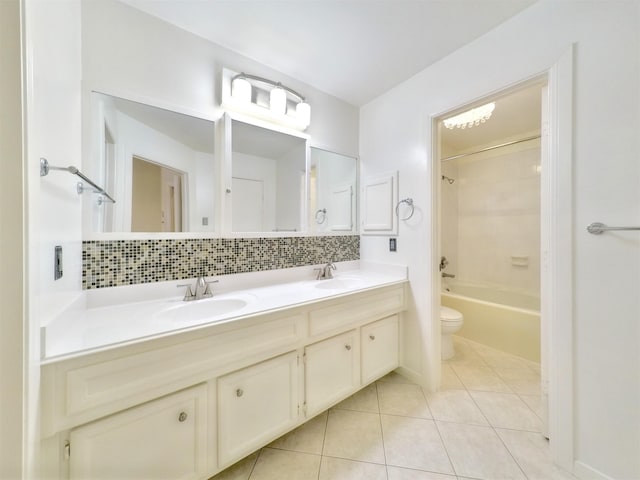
column 109, row 317
column 508, row 320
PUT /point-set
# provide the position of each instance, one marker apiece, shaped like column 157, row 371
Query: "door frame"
column 556, row 253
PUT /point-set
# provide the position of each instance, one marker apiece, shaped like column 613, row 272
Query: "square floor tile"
column 354, row 436
column 307, row 438
column 397, row 473
column 395, row 378
column 507, row 410
column 455, row 406
column 478, row 452
column 520, row 380
column 531, row 451
column 449, row 380
column 240, row 470
column 275, row 464
column 414, row 443
column 340, row 469
column 402, row 399
column 534, row 402
column 366, row 400
column 480, row 378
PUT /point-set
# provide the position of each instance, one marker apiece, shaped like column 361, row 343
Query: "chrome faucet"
column 325, row 272
column 202, row 290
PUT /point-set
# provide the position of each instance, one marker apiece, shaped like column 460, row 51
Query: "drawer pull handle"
column 239, row 392
column 182, row 417
column 372, row 337
column 348, row 347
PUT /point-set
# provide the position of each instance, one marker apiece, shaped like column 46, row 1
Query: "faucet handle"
column 189, row 293
column 207, row 291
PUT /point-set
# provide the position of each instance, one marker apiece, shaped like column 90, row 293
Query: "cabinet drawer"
column 255, row 405
column 354, row 311
column 84, row 392
column 379, row 346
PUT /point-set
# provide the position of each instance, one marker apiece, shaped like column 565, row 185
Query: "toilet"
column 450, row 322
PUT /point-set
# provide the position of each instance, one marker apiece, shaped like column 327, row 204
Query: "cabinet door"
column 331, row 371
column 255, row 405
column 379, row 348
column 162, row 439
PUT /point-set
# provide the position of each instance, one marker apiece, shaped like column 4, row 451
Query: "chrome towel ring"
column 321, row 216
column 409, row 202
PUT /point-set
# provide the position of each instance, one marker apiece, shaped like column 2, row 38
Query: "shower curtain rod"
column 453, row 157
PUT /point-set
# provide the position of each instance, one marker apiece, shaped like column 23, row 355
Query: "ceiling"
column 352, row 49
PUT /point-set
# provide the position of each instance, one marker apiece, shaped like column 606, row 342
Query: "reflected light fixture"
column 471, row 118
column 280, row 96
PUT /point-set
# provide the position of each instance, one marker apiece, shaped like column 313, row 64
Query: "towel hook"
column 409, row 202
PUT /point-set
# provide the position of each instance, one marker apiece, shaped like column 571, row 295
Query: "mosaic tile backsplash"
column 127, row 262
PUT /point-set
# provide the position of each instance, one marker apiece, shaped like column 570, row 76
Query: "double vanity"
column 168, row 388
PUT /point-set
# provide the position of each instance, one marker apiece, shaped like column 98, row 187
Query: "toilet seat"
column 450, row 315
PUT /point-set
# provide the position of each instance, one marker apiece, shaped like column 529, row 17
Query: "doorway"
column 489, row 206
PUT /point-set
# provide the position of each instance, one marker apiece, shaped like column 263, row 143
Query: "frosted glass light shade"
column 241, row 90
column 278, row 101
column 471, row 118
column 303, row 113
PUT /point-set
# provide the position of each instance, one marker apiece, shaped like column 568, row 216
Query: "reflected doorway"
column 156, row 197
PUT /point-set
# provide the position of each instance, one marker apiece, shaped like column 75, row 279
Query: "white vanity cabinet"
column 332, row 371
column 255, row 405
column 168, row 437
column 380, row 348
column 189, row 405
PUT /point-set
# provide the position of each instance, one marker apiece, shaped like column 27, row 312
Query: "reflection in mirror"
column 267, row 180
column 332, row 186
column 158, row 163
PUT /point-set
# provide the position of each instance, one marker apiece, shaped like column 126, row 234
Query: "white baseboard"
column 585, row 472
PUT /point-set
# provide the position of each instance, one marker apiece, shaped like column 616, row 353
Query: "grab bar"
column 597, row 228
column 44, row 171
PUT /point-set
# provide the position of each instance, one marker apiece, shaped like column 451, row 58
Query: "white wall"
column 52, row 86
column 606, row 179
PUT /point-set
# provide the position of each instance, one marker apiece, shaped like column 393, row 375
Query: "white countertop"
column 110, row 318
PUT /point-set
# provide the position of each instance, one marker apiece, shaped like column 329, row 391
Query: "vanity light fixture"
column 471, row 118
column 285, row 105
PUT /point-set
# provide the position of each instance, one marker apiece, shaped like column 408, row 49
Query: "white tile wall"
column 491, row 213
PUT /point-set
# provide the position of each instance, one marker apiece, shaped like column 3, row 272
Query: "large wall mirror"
column 332, row 191
column 159, row 165
column 267, row 179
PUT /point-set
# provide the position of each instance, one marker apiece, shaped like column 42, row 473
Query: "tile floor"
column 484, row 423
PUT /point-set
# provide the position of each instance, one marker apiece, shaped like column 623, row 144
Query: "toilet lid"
column 449, row 314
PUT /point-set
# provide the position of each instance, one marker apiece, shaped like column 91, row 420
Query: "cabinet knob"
column 239, row 392
column 372, row 337
column 348, row 347
column 182, row 417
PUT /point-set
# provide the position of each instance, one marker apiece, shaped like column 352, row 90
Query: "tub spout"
column 447, row 275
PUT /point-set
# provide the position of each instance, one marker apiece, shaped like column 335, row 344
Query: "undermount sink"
column 339, row 283
column 202, row 309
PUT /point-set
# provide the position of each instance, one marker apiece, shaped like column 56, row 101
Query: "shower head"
column 448, row 179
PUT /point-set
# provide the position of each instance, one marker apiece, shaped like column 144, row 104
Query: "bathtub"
column 502, row 319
